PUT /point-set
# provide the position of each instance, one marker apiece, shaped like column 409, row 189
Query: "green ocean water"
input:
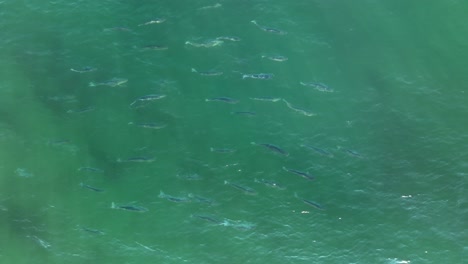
column 386, row 147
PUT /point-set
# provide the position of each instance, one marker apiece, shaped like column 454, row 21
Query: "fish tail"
column 113, row 205
column 92, row 84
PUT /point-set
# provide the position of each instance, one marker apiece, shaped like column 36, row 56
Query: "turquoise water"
column 386, row 144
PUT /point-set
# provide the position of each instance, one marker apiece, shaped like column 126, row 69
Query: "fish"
column 269, row 29
column 278, row 58
column 190, row 177
column 173, row 198
column 91, row 187
column 93, row 231
column 238, row 224
column 149, row 125
column 23, row 173
column 132, row 208
column 270, row 184
column 318, row 150
column 248, row 113
column 351, row 153
column 259, row 76
column 245, row 189
column 208, row 73
column 318, row 86
column 201, row 199
column 222, row 150
column 64, row 98
column 123, row 29
column 84, row 69
column 81, row 111
column 137, row 159
column 150, row 97
column 155, row 47
column 146, row 247
column 154, row 21
column 300, row 173
column 90, row 169
column 222, row 99
column 311, row 203
column 41, row 242
column 206, row 44
column 267, row 99
column 302, row 111
column 217, row 5
column 142, row 100
column 208, row 219
column 229, row 38
column 112, row 82
column 272, row 147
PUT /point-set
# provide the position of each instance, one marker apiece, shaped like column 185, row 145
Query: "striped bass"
column 132, row 208
column 269, row 29
column 272, row 147
column 260, row 76
column 300, row 173
column 245, row 189
column 91, row 187
column 311, row 203
column 222, row 99
column 173, row 198
column 112, row 82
